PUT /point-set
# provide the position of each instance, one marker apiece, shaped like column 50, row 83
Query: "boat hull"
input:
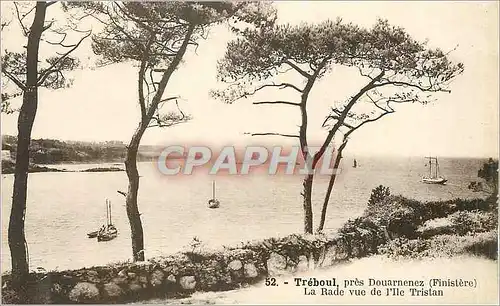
column 436, row 181
column 213, row 203
column 107, row 234
column 93, row 234
column 106, row 237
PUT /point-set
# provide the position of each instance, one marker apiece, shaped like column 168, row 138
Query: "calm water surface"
column 63, row 207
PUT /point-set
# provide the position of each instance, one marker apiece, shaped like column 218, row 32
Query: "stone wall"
column 183, row 273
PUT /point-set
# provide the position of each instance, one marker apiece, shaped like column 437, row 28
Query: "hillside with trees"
column 52, row 151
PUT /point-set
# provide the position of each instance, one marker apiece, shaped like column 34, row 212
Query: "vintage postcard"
column 250, row 152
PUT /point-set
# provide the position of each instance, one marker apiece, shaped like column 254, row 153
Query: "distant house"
column 114, row 143
column 6, row 154
column 6, row 146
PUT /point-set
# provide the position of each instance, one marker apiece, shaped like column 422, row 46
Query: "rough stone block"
column 171, row 278
column 157, row 278
column 251, row 270
column 303, row 264
column 187, row 282
column 112, row 290
column 235, row 265
column 84, row 293
column 276, row 264
column 135, row 287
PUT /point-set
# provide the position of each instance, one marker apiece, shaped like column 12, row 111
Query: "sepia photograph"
column 249, row 152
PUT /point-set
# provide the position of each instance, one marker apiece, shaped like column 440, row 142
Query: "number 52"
column 271, row 281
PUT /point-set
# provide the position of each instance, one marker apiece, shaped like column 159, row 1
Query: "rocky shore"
column 103, row 169
column 8, row 167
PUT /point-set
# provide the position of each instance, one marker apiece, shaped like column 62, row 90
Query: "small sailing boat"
column 213, row 202
column 355, row 164
column 108, row 231
column 434, row 175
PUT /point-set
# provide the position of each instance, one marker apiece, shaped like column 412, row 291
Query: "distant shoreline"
column 55, row 152
column 8, row 167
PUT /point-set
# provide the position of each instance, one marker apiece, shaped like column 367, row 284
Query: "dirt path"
column 467, row 268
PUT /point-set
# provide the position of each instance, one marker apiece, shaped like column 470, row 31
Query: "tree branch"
column 337, row 117
column 14, row 79
column 272, row 134
column 367, row 121
column 303, row 109
column 141, row 80
column 281, row 85
column 43, row 76
column 45, row 28
column 179, row 109
column 123, row 31
column 141, row 23
column 405, row 84
column 163, row 124
column 277, row 102
column 20, row 19
column 169, row 99
column 142, row 102
column 167, row 74
column 298, row 69
column 61, row 41
column 245, row 94
column 342, row 117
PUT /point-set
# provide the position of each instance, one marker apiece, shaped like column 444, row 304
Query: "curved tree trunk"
column 17, row 238
column 147, row 113
column 308, row 180
column 338, row 158
column 27, row 113
column 133, row 214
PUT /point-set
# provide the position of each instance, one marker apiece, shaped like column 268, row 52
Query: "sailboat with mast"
column 213, row 202
column 108, row 231
column 435, row 176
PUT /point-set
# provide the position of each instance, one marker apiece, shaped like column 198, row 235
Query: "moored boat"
column 213, row 202
column 434, row 175
column 108, row 231
column 440, row 180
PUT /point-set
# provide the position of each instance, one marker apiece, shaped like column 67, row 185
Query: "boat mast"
column 107, row 212
column 109, row 204
column 213, row 189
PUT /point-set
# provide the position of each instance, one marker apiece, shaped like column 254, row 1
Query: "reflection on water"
column 63, row 207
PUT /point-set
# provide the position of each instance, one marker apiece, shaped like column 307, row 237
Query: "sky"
column 101, row 105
